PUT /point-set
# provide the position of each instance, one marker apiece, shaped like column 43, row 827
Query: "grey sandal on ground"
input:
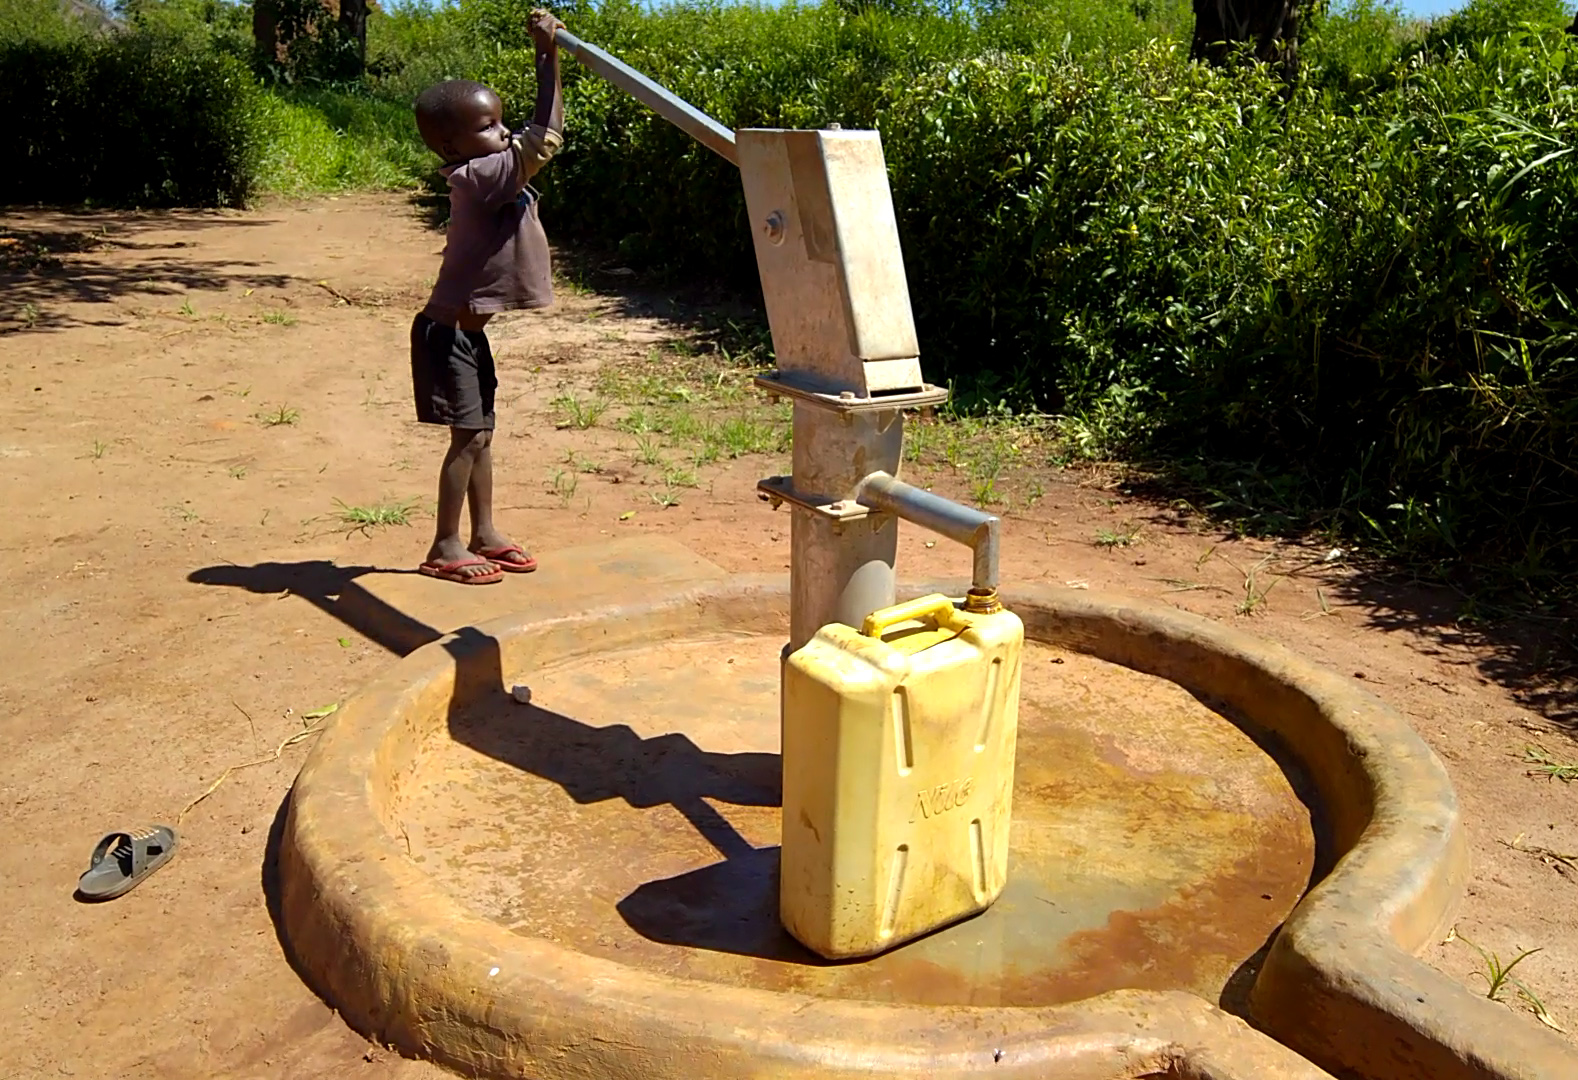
column 123, row 859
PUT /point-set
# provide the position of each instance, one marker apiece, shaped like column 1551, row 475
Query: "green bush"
column 44, row 21
column 166, row 112
column 139, row 118
column 1373, row 297
column 1355, row 49
column 1080, row 29
column 411, row 45
column 222, row 25
column 1487, row 22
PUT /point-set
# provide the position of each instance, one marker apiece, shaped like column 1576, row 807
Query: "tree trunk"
column 1269, row 27
column 353, row 31
column 265, row 30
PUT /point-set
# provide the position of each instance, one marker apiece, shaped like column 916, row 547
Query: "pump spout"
column 683, row 115
column 975, row 529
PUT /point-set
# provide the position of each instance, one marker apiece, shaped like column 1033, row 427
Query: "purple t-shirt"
column 495, row 254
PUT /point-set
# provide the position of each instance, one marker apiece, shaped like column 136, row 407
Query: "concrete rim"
column 410, row 966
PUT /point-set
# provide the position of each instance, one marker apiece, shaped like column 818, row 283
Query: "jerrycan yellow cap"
column 947, row 624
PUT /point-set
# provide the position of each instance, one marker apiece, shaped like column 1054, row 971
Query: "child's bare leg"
column 454, row 479
column 485, row 536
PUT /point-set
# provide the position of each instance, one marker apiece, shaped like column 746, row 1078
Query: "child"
column 495, row 259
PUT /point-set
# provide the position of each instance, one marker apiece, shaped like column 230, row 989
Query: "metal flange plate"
column 780, row 489
column 779, row 383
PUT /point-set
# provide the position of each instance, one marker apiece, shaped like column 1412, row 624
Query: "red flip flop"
column 496, row 556
column 451, row 572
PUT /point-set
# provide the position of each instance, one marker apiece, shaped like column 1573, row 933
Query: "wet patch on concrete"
column 631, row 812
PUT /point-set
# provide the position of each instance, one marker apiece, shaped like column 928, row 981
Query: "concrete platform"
column 496, row 980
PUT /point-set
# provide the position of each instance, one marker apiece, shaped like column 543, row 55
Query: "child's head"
column 460, row 120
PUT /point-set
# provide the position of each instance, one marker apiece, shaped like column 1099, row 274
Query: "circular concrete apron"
column 583, row 886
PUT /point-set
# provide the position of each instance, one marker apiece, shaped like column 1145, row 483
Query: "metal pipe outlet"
column 976, row 529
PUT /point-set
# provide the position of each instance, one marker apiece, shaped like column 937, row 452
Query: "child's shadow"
column 728, row 906
column 594, row 764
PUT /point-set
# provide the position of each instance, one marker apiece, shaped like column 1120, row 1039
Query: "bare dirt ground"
column 192, row 401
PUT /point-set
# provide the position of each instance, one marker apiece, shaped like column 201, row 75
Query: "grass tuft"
column 1498, row 976
column 280, row 417
column 379, row 515
column 578, row 414
column 1548, row 766
column 563, row 483
column 1126, row 535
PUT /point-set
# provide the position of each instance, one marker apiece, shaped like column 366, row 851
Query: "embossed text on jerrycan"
column 898, row 774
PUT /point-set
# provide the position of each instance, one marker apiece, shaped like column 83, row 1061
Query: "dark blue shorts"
column 452, row 375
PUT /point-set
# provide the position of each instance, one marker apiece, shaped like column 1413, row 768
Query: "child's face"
column 479, row 129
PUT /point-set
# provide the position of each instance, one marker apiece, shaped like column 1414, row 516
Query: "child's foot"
column 502, row 552
column 449, row 560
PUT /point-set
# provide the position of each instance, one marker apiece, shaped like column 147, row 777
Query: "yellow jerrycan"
column 898, row 774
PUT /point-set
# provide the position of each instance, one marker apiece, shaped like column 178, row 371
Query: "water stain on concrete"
column 631, row 811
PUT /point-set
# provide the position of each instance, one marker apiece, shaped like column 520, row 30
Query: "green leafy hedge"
column 1377, row 297
column 134, row 118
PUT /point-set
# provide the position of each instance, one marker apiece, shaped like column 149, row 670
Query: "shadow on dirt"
column 1531, row 652
column 52, row 258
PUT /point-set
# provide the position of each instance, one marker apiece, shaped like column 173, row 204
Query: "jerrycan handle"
column 936, row 607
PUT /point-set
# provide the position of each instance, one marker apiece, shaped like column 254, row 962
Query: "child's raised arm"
column 550, row 96
column 541, row 139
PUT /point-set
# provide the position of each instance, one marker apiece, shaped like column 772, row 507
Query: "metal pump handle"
column 683, row 115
